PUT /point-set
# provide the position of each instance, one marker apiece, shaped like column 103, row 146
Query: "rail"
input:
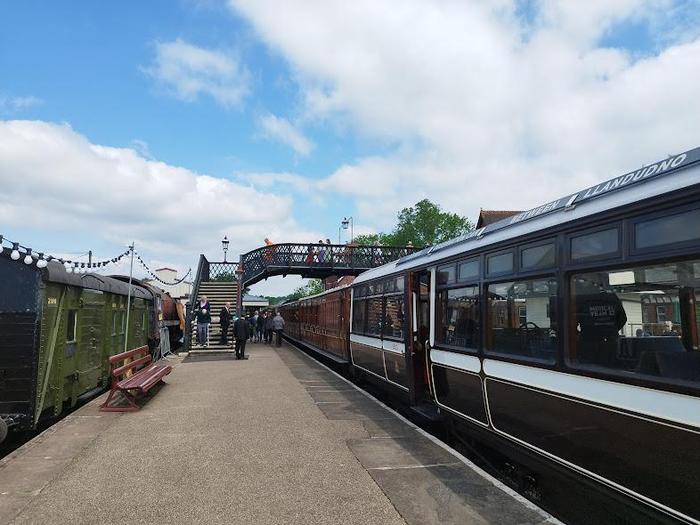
column 315, row 260
column 202, row 271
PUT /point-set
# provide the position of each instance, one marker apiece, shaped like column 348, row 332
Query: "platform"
column 277, row 438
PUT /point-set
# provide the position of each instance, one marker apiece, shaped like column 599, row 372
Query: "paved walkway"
column 274, row 439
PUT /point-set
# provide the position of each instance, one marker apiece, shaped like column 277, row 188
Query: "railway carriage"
column 566, row 338
column 56, row 332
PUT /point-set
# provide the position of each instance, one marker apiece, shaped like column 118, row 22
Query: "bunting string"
column 156, row 278
column 19, row 251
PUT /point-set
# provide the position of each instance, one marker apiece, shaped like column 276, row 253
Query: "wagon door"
column 419, row 287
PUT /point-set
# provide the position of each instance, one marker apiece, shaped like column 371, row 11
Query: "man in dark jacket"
column 241, row 331
column 225, row 321
column 268, row 329
column 202, row 312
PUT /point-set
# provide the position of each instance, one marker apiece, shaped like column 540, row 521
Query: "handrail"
column 202, row 268
column 344, row 258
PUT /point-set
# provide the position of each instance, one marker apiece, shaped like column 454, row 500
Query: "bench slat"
column 145, row 376
column 128, row 366
column 126, row 355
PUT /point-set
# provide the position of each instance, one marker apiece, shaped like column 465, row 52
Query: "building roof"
column 164, row 268
column 255, row 299
column 487, row 217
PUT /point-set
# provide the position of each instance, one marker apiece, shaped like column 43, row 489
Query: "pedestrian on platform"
column 268, row 328
column 278, row 327
column 225, row 321
column 254, row 326
column 260, row 327
column 202, row 312
column 251, row 327
column 241, row 331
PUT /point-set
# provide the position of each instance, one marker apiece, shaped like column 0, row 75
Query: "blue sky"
column 312, row 111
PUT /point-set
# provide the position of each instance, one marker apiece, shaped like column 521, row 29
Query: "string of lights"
column 29, row 256
column 19, row 251
column 156, row 278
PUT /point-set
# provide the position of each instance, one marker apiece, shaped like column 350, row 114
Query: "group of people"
column 321, row 255
column 258, row 327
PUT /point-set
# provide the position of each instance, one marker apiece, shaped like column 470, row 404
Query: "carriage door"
column 420, row 335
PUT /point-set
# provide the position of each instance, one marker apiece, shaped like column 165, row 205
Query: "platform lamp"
column 347, row 221
column 224, row 245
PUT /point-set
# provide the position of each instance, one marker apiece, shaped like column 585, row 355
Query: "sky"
column 172, row 123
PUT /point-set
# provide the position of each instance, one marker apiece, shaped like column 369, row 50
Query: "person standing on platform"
column 241, row 331
column 278, row 327
column 260, row 326
column 202, row 312
column 225, row 321
column 268, row 328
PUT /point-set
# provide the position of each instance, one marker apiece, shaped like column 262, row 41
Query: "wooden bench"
column 133, row 374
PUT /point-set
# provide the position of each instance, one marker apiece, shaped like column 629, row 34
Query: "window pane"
column 374, row 316
column 668, row 230
column 640, row 321
column 522, row 319
column 394, row 317
column 469, row 270
column 594, row 244
column 71, row 331
column 458, row 324
column 537, row 257
column 399, row 284
column 446, row 274
column 502, row 263
column 358, row 316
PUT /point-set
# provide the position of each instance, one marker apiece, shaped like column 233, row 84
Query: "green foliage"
column 422, row 225
column 313, row 287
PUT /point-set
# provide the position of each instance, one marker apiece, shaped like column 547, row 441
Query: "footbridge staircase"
column 225, row 281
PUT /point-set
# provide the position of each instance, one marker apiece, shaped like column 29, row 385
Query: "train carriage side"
column 72, row 324
column 570, row 340
column 321, row 322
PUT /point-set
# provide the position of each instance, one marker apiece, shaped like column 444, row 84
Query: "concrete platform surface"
column 277, row 438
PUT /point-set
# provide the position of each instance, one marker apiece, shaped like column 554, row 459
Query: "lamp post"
column 224, row 245
column 347, row 221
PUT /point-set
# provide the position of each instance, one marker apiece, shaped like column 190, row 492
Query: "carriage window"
column 522, row 319
column 115, row 317
column 399, row 284
column 71, row 332
column 595, row 244
column 459, row 322
column 641, row 321
column 682, row 227
column 469, row 270
column 374, row 316
column 394, row 317
column 537, row 257
column 500, row 263
column 446, row 274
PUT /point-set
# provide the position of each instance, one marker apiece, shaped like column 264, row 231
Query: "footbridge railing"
column 315, row 260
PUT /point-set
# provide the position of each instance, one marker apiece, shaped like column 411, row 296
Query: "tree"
column 422, row 225
column 313, row 287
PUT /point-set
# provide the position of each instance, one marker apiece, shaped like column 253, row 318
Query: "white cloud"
column 281, row 129
column 487, row 109
column 55, row 181
column 188, row 71
column 14, row 104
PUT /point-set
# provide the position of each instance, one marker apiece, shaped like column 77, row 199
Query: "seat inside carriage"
column 640, row 321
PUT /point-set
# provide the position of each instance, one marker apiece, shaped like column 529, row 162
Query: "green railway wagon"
column 56, row 333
